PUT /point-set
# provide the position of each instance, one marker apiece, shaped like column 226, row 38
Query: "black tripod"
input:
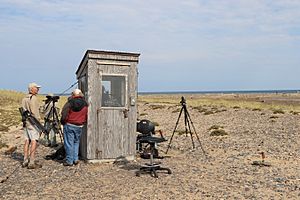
column 52, row 120
column 187, row 123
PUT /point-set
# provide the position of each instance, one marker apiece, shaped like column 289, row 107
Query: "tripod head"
column 183, row 101
column 50, row 98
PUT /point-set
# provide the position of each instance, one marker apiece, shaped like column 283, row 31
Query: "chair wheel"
column 154, row 174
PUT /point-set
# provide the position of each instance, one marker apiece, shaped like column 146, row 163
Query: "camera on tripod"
column 183, row 102
column 52, row 123
column 52, row 98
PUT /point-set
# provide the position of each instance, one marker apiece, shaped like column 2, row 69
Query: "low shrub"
column 209, row 112
column 256, row 109
column 143, row 114
column 218, row 132
column 215, row 127
column 154, row 107
column 278, row 111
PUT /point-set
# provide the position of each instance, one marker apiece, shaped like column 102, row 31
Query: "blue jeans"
column 71, row 142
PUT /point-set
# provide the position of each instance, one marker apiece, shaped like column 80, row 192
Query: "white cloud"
column 230, row 34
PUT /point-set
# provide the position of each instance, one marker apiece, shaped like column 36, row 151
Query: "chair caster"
column 169, row 171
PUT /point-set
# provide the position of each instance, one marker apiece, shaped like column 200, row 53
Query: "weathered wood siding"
column 109, row 134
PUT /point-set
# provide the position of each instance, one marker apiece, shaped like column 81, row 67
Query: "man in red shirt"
column 73, row 117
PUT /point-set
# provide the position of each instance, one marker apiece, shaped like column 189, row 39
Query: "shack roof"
column 108, row 55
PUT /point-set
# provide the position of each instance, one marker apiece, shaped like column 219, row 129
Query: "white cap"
column 31, row 85
column 77, row 92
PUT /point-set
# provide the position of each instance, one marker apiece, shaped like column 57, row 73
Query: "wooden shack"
column 109, row 82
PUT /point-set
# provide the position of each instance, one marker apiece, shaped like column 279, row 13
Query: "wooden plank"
column 132, row 113
column 113, row 57
column 116, row 63
column 93, row 91
column 83, row 139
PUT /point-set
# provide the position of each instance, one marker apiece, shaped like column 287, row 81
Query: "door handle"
column 125, row 112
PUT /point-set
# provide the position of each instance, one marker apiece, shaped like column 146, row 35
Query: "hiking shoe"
column 34, row 165
column 25, row 163
column 76, row 162
column 67, row 164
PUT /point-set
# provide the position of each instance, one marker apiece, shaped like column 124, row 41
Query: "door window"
column 113, row 91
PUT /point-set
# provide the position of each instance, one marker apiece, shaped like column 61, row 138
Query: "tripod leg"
column 185, row 122
column 57, row 125
column 191, row 134
column 196, row 134
column 174, row 131
column 189, row 126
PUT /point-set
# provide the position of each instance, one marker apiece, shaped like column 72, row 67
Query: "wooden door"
column 112, row 115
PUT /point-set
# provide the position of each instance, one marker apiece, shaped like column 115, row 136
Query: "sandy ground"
column 223, row 170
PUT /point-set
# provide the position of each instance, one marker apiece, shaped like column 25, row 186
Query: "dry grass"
column 218, row 132
column 9, row 114
column 224, row 101
column 10, row 101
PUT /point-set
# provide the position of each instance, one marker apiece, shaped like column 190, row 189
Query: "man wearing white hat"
column 31, row 134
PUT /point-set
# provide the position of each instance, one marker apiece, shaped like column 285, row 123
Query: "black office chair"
column 146, row 138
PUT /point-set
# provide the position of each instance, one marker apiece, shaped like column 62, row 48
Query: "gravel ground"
column 223, row 170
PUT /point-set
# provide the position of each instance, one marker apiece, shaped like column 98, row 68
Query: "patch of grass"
column 10, row 101
column 274, row 117
column 212, row 110
column 3, row 128
column 200, row 109
column 294, row 112
column 256, row 109
column 180, row 132
column 3, row 145
column 213, row 127
column 209, row 112
column 143, row 114
column 236, row 107
column 278, row 111
column 154, row 107
column 227, row 101
column 218, row 132
column 176, row 110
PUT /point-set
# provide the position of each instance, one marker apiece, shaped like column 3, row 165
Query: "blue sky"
column 190, row 45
